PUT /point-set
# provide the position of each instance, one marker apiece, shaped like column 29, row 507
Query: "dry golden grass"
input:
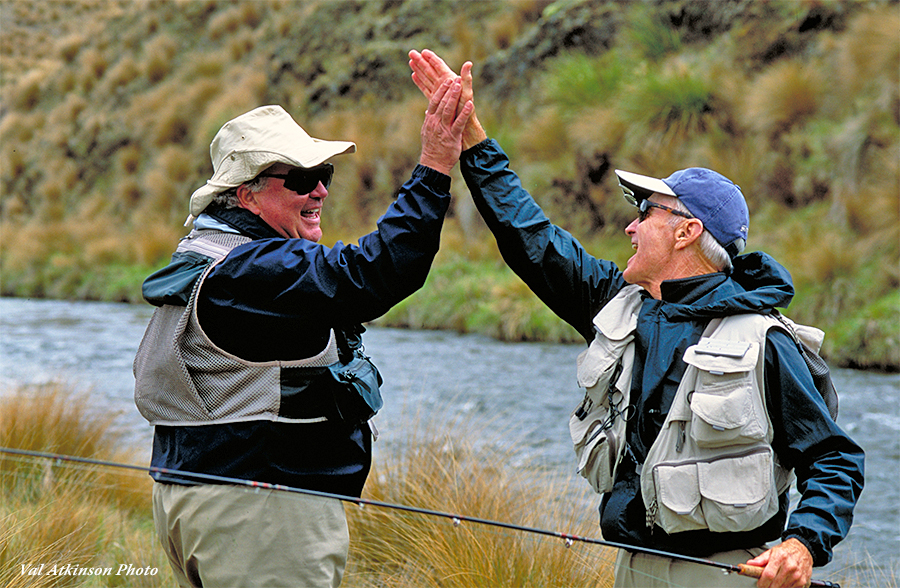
column 783, row 96
column 59, row 512
column 90, row 516
column 467, row 472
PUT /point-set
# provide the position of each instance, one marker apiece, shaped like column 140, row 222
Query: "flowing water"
column 525, row 391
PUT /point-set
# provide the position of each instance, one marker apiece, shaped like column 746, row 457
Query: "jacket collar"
column 244, row 221
column 758, row 284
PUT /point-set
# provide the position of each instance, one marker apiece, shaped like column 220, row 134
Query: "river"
column 525, row 388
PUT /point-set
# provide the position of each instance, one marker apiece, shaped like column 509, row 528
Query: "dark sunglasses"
column 305, row 180
column 645, row 205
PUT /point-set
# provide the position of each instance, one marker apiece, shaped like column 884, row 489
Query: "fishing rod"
column 457, row 519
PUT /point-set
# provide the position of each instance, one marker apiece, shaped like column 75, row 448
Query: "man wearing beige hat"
column 252, row 366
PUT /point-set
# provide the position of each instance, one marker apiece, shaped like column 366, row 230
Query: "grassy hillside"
column 108, row 108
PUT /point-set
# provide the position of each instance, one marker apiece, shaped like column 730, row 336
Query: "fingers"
column 428, row 71
column 447, row 97
column 462, row 119
column 437, row 98
column 443, row 128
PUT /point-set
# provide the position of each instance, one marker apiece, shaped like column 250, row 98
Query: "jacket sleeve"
column 280, row 281
column 571, row 282
column 829, row 465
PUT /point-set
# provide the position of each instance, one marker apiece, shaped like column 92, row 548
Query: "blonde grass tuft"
column 69, row 46
column 229, row 22
column 783, row 96
column 27, row 92
column 125, row 71
column 93, row 65
column 869, row 52
column 158, row 56
column 545, row 138
column 58, row 512
column 469, row 472
column 155, row 240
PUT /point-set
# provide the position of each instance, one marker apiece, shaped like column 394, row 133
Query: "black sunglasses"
column 304, row 180
column 645, row 205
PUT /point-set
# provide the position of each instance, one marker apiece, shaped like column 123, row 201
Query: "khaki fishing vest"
column 183, row 378
column 712, row 465
column 597, row 426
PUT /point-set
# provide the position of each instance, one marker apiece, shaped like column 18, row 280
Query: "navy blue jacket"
column 276, row 298
column 576, row 285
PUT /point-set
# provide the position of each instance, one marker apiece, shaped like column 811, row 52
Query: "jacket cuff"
column 475, row 149
column 431, row 177
column 819, row 557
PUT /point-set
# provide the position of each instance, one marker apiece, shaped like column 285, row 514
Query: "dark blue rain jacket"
column 277, row 299
column 576, row 285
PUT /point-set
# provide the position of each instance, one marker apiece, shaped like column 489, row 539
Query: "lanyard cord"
column 457, row 519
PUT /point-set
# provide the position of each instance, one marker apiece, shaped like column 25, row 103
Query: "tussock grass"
column 469, row 472
column 57, row 513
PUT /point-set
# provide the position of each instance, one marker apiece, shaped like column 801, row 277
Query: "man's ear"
column 247, row 199
column 688, row 232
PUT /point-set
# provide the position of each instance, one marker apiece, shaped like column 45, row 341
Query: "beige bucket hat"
column 248, row 144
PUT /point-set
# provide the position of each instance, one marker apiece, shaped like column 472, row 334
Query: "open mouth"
column 313, row 213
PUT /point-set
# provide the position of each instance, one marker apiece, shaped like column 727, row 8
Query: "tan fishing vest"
column 183, row 378
column 597, row 426
column 712, row 465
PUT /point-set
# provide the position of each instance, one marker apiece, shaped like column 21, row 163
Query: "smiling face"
column 665, row 247
column 290, row 214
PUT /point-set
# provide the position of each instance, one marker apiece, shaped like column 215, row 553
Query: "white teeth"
column 634, row 246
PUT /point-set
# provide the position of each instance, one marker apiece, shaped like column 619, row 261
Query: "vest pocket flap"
column 754, row 470
column 722, row 412
column 722, row 364
column 601, row 357
column 618, row 318
column 678, row 485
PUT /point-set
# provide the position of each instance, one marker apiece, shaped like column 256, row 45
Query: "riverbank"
column 471, row 290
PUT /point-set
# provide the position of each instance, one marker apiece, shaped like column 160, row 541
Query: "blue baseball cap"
column 711, row 197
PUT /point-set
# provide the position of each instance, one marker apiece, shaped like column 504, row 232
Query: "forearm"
column 829, row 465
column 551, row 261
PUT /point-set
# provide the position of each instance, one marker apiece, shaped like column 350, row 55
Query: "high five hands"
column 445, row 121
column 429, row 72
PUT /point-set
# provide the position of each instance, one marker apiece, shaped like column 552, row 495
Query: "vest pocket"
column 722, row 411
column 729, row 494
column 597, row 453
column 738, row 492
column 678, row 490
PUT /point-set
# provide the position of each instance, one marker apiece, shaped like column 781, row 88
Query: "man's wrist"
column 474, row 133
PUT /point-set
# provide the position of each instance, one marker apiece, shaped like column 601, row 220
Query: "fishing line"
column 456, row 519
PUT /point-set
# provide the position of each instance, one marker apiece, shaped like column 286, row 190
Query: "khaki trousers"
column 221, row 536
column 638, row 570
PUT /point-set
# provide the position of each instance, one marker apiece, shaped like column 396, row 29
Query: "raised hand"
column 442, row 130
column 430, row 71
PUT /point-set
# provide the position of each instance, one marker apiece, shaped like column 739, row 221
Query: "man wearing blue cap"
column 699, row 410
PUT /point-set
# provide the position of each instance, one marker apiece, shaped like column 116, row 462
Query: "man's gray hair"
column 709, row 247
column 229, row 198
